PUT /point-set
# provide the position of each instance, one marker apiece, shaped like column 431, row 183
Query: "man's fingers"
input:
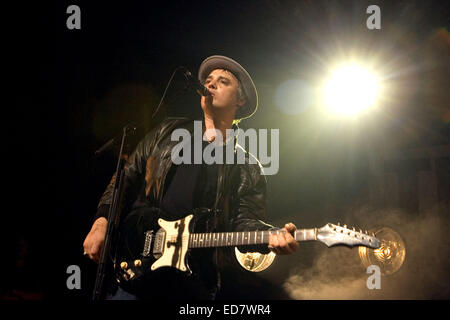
column 273, row 240
column 273, row 243
column 282, row 243
column 286, row 242
column 293, row 245
column 290, row 227
column 94, row 255
column 93, row 251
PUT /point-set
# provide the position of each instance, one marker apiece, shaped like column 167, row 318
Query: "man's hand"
column 93, row 243
column 283, row 242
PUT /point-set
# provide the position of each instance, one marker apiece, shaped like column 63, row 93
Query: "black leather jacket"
column 241, row 188
column 239, row 203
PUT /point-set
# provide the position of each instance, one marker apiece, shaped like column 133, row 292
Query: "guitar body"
column 150, row 248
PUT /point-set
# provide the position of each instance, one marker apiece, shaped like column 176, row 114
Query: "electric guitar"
column 168, row 247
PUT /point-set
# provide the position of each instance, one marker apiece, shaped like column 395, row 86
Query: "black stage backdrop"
column 71, row 90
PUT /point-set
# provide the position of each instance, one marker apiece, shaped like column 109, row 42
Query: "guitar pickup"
column 158, row 243
column 147, row 243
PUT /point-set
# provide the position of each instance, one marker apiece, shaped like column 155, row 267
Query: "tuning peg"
column 339, row 224
column 360, row 231
column 354, row 229
column 345, row 226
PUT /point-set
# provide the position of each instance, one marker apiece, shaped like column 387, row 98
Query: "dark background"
column 72, row 90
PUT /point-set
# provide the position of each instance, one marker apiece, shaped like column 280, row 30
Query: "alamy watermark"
column 373, row 281
column 74, row 279
column 227, row 153
column 74, row 20
column 374, row 20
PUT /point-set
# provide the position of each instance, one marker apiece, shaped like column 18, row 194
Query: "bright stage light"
column 350, row 90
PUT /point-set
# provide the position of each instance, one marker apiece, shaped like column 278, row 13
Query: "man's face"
column 223, row 86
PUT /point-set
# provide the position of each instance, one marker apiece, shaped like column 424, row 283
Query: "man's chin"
column 216, row 110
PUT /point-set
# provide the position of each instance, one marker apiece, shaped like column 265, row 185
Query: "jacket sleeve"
column 248, row 204
column 134, row 176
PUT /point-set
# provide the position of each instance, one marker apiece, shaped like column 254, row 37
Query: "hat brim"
column 249, row 88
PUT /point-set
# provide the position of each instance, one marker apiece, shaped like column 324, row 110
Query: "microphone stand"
column 105, row 268
column 113, row 215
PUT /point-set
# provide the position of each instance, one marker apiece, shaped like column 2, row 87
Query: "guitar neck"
column 231, row 239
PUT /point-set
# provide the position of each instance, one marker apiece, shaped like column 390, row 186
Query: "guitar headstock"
column 332, row 235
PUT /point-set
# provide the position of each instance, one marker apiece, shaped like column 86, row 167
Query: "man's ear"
column 241, row 102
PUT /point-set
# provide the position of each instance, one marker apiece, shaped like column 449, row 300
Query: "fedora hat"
column 222, row 62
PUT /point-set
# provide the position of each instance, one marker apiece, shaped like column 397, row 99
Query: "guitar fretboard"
column 226, row 239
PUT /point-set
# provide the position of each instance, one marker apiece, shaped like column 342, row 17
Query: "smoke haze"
column 338, row 272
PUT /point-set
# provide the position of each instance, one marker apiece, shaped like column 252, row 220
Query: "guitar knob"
column 124, row 265
column 137, row 263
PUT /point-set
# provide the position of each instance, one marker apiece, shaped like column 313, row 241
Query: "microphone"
column 201, row 89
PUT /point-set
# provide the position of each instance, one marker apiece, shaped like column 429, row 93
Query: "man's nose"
column 211, row 84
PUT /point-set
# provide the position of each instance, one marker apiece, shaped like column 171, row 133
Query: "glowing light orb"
column 350, row 90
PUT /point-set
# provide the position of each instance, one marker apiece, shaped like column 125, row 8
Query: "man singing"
column 236, row 193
